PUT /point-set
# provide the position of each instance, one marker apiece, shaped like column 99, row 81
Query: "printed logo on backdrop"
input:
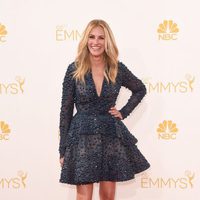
column 15, row 182
column 13, row 88
column 186, row 181
column 186, row 85
column 58, row 134
column 4, row 131
column 66, row 34
column 167, row 130
column 3, row 33
column 167, row 30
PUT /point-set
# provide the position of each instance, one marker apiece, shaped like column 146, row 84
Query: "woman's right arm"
column 67, row 107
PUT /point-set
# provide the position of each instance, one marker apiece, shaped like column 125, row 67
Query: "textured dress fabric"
column 97, row 146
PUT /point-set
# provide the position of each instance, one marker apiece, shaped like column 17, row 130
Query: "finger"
column 114, row 113
column 113, row 110
column 118, row 114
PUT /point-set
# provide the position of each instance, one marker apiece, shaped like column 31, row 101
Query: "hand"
column 61, row 161
column 115, row 112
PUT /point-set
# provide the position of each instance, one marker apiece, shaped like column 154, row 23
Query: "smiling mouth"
column 96, row 48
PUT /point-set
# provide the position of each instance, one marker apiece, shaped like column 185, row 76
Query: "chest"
column 97, row 87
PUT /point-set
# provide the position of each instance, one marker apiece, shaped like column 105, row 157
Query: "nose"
column 96, row 41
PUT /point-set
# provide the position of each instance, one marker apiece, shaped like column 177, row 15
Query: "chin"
column 96, row 54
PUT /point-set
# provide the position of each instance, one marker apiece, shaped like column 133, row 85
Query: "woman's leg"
column 107, row 190
column 84, row 192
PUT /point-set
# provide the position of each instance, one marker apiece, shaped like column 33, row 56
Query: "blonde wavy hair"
column 82, row 60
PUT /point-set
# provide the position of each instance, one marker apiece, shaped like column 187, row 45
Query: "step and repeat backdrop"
column 158, row 41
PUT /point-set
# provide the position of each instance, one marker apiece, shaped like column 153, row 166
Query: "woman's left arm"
column 138, row 89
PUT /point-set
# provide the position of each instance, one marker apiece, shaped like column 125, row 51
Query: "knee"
column 107, row 196
column 84, row 192
column 83, row 197
column 107, row 190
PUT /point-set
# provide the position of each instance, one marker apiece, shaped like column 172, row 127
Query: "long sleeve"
column 138, row 89
column 67, row 107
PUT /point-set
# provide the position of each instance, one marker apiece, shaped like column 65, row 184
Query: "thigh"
column 84, row 191
column 107, row 188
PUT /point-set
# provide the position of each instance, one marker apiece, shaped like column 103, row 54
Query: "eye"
column 91, row 36
column 101, row 37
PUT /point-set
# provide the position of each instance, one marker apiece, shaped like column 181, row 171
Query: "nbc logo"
column 167, row 30
column 3, row 33
column 167, row 130
column 4, row 131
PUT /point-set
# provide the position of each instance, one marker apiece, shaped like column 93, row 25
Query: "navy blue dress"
column 97, row 146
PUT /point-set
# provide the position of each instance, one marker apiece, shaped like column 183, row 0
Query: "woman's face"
column 96, row 41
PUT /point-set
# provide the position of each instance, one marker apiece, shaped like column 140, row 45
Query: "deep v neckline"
column 95, row 88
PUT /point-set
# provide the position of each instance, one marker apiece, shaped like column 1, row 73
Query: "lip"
column 95, row 48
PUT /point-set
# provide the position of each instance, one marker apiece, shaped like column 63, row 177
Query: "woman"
column 95, row 145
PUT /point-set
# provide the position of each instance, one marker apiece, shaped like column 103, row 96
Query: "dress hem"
column 105, row 179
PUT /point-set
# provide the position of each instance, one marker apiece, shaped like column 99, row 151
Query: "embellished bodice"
column 92, row 114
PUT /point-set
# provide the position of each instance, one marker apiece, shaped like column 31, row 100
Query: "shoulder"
column 123, row 68
column 71, row 67
column 70, row 70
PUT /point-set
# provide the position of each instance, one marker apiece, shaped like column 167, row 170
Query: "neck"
column 96, row 61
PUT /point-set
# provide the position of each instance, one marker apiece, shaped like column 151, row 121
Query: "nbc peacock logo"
column 15, row 182
column 3, row 33
column 167, row 130
column 4, row 131
column 167, row 30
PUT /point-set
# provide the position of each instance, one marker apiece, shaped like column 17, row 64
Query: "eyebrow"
column 98, row 35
